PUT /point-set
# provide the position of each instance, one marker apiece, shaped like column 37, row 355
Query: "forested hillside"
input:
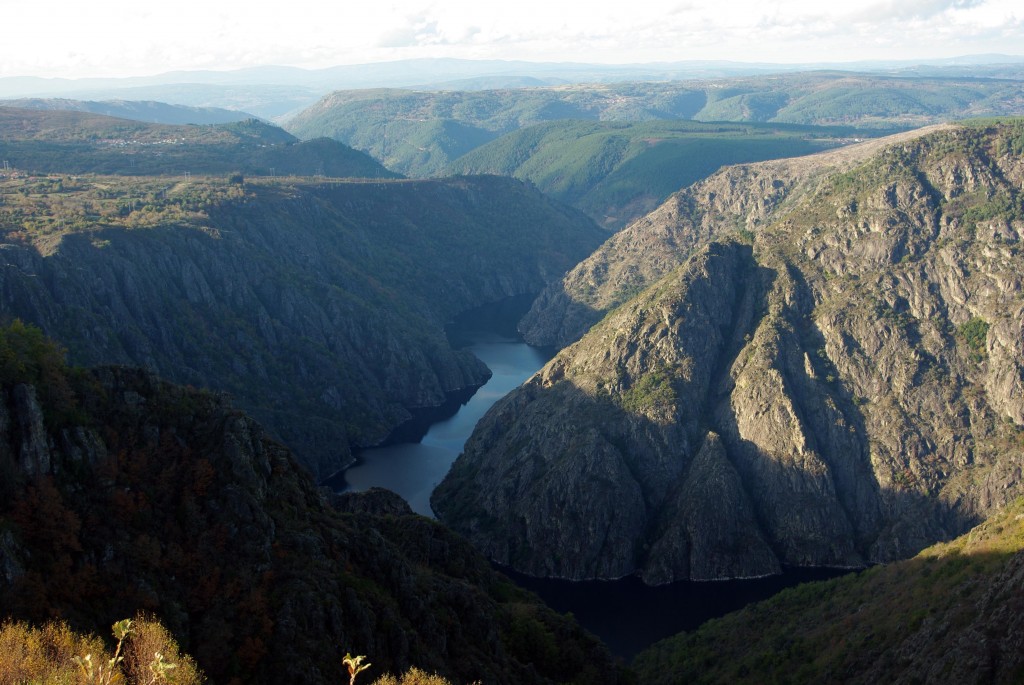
column 319, row 306
column 418, row 133
column 616, row 172
column 953, row 613
column 121, row 493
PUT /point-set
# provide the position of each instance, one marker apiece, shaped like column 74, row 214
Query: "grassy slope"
column 906, row 622
column 616, row 171
column 399, row 126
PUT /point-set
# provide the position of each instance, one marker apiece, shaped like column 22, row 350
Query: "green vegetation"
column 974, row 332
column 164, row 499
column 617, row 171
column 909, row 617
column 26, row 355
column 38, row 210
column 1003, row 206
column 137, row 110
column 829, row 98
column 65, row 142
column 420, row 133
column 651, row 391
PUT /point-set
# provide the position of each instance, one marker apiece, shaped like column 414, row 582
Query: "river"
column 626, row 614
column 414, row 469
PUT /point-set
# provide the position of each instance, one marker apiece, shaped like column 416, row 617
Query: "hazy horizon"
column 117, row 38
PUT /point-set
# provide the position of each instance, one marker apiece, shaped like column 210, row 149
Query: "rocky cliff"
column 742, row 197
column 122, row 493
column 824, row 366
column 319, row 307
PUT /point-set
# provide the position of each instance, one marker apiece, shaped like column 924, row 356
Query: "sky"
column 107, row 38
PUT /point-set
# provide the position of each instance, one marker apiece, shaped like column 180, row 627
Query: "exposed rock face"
column 845, row 390
column 34, row 450
column 321, row 309
column 652, row 246
column 163, row 499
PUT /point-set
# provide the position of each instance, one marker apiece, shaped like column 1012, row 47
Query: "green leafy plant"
column 105, row 674
column 355, row 666
column 160, row 669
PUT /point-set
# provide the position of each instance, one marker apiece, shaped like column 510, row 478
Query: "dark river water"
column 626, row 614
column 413, row 470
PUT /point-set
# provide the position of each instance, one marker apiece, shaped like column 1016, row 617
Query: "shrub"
column 975, row 334
column 43, row 655
column 145, row 654
column 151, row 649
column 413, row 676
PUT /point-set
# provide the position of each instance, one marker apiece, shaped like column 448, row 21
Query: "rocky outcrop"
column 377, row 501
column 319, row 308
column 828, row 346
column 163, row 499
column 34, row 448
column 745, row 196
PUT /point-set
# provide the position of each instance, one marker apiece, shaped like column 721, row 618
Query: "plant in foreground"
column 96, row 673
column 355, row 666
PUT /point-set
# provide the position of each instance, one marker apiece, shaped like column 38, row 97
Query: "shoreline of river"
column 625, row 613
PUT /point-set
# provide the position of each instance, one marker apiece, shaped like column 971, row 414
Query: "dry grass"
column 413, row 676
column 47, row 656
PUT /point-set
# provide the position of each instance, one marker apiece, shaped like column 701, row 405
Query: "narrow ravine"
column 413, row 469
column 626, row 614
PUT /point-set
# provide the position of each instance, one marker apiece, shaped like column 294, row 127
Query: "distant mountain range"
column 47, row 141
column 275, row 91
column 573, row 141
column 137, row 110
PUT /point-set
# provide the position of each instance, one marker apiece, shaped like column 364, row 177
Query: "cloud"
column 404, row 37
column 891, row 10
column 418, row 30
column 120, row 36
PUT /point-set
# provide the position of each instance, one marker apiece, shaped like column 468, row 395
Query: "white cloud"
column 418, row 30
column 108, row 37
column 894, row 10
